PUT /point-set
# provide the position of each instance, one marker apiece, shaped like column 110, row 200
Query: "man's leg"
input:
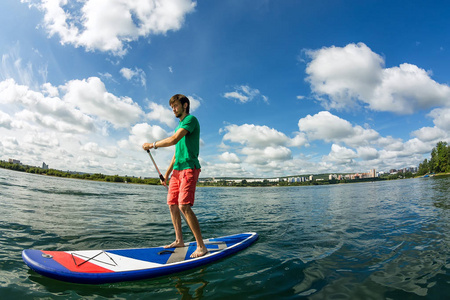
column 172, row 201
column 193, row 223
column 176, row 221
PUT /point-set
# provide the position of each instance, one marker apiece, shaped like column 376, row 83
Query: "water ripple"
column 384, row 240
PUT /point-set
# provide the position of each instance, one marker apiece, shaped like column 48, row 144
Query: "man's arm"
column 167, row 142
column 169, row 171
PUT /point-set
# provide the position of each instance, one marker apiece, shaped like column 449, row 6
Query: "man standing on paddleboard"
column 186, row 170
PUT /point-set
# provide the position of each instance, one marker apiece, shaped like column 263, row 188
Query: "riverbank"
column 78, row 175
column 436, row 175
column 218, row 183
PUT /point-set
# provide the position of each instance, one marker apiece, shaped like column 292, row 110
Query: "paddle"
column 156, row 167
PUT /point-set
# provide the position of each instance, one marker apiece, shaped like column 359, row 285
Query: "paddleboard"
column 107, row 266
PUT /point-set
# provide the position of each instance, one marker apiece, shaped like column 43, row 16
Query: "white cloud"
column 299, row 140
column 263, row 156
column 49, row 90
column 57, row 122
column 127, row 73
column 161, row 114
column 416, row 146
column 441, row 118
column 367, row 153
column 364, row 147
column 254, row 136
column 344, row 73
column 244, row 94
column 110, row 25
column 229, row 157
column 138, row 75
column 194, row 103
column 263, row 147
column 341, row 155
column 94, row 148
column 92, row 98
column 63, row 125
column 330, row 128
column 50, row 112
column 43, row 140
column 9, row 146
column 237, row 96
column 406, row 89
column 347, row 77
column 361, row 136
column 325, row 126
column 391, row 144
column 142, row 133
column 5, row 120
column 430, row 134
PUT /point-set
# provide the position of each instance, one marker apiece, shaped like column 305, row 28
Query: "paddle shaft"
column 156, row 167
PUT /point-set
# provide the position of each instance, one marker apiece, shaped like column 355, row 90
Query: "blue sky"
column 279, row 87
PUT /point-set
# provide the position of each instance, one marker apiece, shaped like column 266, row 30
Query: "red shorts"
column 182, row 187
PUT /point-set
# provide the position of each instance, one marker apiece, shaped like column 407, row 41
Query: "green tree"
column 433, row 161
column 439, row 161
column 423, row 168
column 440, row 157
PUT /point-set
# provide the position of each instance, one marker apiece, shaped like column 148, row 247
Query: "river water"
column 380, row 240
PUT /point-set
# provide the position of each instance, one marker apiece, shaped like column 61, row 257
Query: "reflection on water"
column 356, row 241
column 190, row 289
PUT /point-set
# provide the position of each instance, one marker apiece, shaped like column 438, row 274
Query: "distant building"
column 44, row 166
column 410, row 169
column 14, row 161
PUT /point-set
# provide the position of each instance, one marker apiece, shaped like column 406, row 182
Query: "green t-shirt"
column 188, row 148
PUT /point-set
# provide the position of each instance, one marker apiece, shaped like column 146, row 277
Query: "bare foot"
column 175, row 244
column 199, row 252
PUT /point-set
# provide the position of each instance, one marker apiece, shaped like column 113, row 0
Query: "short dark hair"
column 182, row 98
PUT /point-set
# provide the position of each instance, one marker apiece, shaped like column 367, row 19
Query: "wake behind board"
column 106, row 266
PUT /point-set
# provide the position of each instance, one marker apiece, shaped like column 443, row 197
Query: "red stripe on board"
column 66, row 260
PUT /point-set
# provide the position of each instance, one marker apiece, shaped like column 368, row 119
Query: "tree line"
column 439, row 161
column 86, row 176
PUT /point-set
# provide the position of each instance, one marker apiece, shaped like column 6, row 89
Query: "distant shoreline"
column 74, row 175
column 156, row 181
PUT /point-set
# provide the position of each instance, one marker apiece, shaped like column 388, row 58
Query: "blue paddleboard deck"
column 107, row 266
